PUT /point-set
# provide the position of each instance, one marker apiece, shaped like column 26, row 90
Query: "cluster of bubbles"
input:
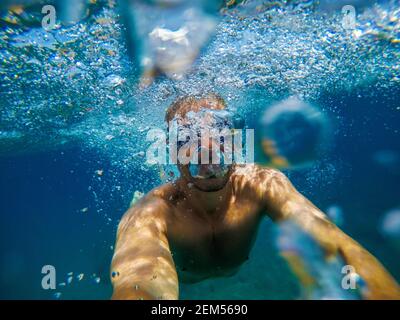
column 55, row 80
column 75, row 82
column 70, row 279
column 293, row 133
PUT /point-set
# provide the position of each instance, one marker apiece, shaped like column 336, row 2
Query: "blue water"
column 56, row 210
column 41, row 223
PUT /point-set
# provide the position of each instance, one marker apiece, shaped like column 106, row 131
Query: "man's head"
column 202, row 118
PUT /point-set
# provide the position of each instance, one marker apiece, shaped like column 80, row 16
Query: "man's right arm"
column 142, row 265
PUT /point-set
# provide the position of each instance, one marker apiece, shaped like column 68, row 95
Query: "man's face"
column 203, row 143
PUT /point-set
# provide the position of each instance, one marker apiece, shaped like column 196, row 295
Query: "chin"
column 210, row 185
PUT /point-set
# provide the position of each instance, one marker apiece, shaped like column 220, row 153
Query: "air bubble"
column 293, row 133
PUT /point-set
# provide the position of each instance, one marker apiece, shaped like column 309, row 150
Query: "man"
column 203, row 225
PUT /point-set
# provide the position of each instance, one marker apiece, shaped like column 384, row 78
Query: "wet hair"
column 183, row 105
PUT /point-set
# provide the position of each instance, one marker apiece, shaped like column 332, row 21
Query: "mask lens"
column 212, row 122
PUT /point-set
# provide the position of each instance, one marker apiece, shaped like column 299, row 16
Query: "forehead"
column 209, row 103
column 204, row 118
column 195, row 105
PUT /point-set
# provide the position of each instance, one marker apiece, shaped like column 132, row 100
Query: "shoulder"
column 267, row 186
column 253, row 175
column 152, row 209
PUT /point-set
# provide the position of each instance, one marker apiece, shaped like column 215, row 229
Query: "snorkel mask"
column 197, row 131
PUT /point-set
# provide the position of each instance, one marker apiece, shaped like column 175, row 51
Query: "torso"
column 205, row 246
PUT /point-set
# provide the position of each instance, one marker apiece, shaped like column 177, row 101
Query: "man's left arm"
column 283, row 203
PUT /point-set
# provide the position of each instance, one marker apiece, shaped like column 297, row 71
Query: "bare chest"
column 212, row 245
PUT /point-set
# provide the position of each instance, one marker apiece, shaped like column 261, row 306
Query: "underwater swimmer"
column 204, row 224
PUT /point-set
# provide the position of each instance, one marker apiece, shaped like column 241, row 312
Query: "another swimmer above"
column 204, row 224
